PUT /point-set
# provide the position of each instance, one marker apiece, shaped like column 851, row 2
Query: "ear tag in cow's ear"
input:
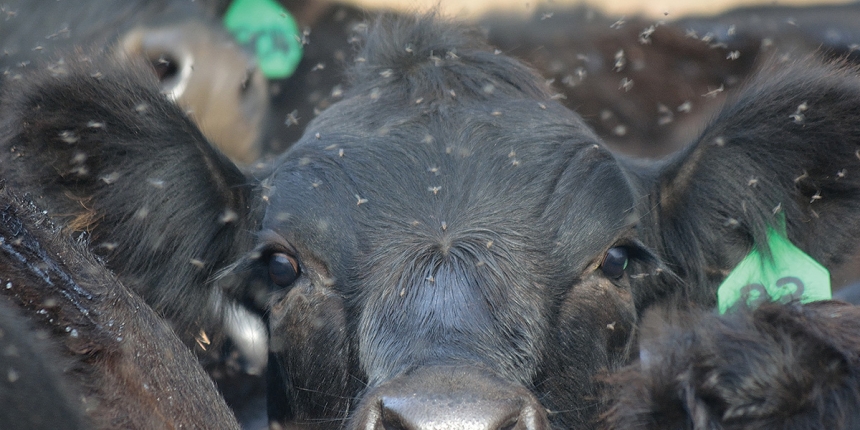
column 270, row 32
column 790, row 275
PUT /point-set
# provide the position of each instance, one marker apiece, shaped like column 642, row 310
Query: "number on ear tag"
column 790, row 275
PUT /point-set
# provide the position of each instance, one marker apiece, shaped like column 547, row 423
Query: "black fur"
column 457, row 197
column 33, row 392
column 784, row 145
column 109, row 156
column 850, row 294
column 419, row 107
column 778, row 367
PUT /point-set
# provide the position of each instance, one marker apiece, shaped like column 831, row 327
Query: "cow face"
column 450, row 248
column 447, row 232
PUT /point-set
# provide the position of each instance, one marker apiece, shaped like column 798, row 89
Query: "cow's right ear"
column 785, row 149
column 104, row 152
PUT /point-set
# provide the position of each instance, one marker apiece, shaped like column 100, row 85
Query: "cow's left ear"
column 781, row 159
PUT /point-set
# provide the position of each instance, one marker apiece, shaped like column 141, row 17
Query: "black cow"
column 447, row 246
column 78, row 350
column 779, row 367
column 197, row 62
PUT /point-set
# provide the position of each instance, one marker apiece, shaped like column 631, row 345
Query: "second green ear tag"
column 271, row 33
column 791, row 275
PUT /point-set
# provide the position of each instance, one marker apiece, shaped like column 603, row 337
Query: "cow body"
column 97, row 355
column 34, row 392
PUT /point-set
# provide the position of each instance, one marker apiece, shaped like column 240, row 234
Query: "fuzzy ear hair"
column 780, row 366
column 698, row 411
column 103, row 152
column 787, row 145
column 670, row 348
column 661, row 390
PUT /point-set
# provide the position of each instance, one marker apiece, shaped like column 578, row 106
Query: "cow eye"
column 283, row 269
column 614, row 262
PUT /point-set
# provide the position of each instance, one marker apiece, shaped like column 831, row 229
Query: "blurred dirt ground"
column 650, row 8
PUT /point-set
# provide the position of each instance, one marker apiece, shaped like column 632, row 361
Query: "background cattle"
column 673, row 69
column 645, row 85
column 198, row 64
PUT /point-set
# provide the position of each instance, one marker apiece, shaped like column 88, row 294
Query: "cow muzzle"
column 449, row 398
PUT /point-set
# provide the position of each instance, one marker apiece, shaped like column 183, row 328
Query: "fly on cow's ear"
column 615, row 262
column 283, row 269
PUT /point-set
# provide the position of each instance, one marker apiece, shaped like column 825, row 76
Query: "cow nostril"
column 392, row 420
column 418, row 412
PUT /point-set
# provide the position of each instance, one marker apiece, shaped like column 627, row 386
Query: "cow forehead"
column 444, row 176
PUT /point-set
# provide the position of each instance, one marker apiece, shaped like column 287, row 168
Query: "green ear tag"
column 270, row 31
column 791, row 275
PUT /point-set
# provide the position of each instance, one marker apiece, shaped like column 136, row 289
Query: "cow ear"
column 785, row 149
column 105, row 153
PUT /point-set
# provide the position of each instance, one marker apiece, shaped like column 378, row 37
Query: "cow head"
column 447, row 235
column 448, row 247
